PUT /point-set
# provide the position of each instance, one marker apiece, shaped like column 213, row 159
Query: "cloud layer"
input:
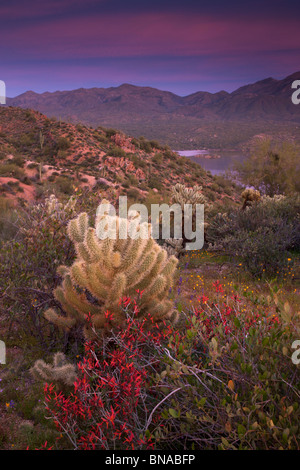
column 183, row 47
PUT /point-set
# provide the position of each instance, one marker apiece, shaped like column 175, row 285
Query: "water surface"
column 215, row 165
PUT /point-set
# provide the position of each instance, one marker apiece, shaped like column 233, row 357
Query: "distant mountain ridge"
column 135, row 109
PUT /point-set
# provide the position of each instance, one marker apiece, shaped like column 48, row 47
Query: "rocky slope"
column 39, row 156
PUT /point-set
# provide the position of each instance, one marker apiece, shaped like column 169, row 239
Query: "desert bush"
column 18, row 160
column 261, row 236
column 133, row 193
column 110, row 132
column 272, row 168
column 11, row 169
column 28, row 264
column 234, row 384
column 158, row 158
column 117, row 152
column 154, row 144
column 155, row 182
column 107, row 408
column 138, row 162
column 145, row 145
column 64, row 185
column 26, row 140
column 63, row 143
column 8, row 220
column 222, row 379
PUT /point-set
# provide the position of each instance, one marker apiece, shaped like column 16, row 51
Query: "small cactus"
column 182, row 195
column 60, row 372
column 174, row 247
column 250, row 195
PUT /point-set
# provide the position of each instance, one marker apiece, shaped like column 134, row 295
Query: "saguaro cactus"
column 42, row 140
column 107, row 269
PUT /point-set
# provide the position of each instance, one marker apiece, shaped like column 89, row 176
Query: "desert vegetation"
column 141, row 344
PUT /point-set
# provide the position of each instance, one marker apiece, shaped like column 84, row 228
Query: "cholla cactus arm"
column 106, row 270
column 60, row 372
column 64, row 323
column 77, row 228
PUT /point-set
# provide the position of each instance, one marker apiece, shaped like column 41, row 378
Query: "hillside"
column 201, row 119
column 41, row 155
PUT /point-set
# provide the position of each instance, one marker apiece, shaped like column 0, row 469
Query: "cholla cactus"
column 58, row 210
column 217, row 231
column 183, row 195
column 277, row 199
column 250, row 195
column 51, row 210
column 174, row 247
column 108, row 269
column 60, row 372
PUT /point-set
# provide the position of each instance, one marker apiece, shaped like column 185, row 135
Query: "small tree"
column 272, row 168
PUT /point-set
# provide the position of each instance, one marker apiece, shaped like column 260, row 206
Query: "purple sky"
column 180, row 46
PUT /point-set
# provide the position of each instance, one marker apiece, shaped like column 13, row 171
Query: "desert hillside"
column 41, row 155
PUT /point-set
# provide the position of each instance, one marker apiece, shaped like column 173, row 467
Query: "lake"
column 215, row 165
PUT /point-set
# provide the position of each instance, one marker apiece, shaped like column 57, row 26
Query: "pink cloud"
column 150, row 34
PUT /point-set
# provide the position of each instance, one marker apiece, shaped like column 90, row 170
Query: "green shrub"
column 260, row 236
column 11, row 169
column 64, row 185
column 157, row 158
column 8, row 218
column 154, row 182
column 233, row 382
column 145, row 145
column 133, row 193
column 110, row 132
column 116, row 152
column 33, row 247
column 63, row 143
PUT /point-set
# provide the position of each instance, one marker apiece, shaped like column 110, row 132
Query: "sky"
column 180, row 46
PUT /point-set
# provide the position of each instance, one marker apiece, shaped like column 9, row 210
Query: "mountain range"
column 202, row 118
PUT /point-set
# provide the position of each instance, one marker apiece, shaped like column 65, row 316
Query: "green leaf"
column 265, row 341
column 225, row 442
column 173, row 413
column 202, row 401
column 241, row 430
